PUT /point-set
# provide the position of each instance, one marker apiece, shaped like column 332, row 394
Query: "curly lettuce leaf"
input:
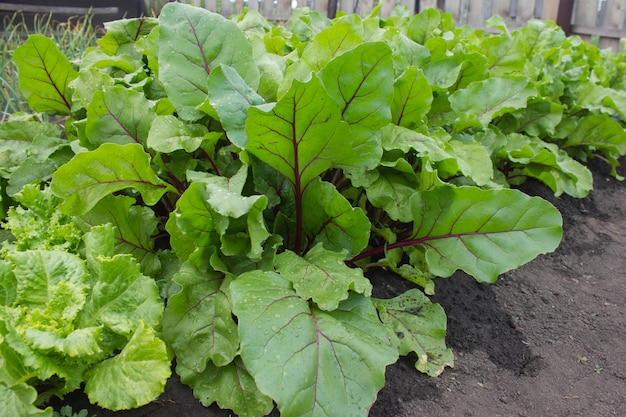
column 121, row 296
column 134, row 377
column 18, row 400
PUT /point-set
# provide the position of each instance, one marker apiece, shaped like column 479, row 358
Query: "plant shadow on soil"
column 547, row 339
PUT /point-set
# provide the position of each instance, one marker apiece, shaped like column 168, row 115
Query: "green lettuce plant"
column 255, row 172
column 74, row 312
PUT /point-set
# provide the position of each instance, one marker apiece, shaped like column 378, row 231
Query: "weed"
column 66, row 411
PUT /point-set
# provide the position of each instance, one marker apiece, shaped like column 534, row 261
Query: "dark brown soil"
column 548, row 339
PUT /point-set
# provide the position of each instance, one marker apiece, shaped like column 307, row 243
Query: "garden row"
column 219, row 187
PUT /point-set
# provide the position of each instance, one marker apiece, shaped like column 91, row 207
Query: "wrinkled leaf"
column 78, row 343
column 121, row 296
column 18, row 401
column 198, row 323
column 8, row 284
column 37, row 270
column 134, row 377
column 230, row 386
column 418, row 326
column 322, row 275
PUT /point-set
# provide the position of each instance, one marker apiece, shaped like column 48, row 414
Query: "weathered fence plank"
column 601, row 21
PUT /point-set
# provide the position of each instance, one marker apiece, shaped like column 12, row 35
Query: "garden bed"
column 546, row 340
column 253, row 204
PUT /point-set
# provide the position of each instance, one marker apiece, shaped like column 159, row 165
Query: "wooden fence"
column 604, row 20
column 600, row 21
column 281, row 9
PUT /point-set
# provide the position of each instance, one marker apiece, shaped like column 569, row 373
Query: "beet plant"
column 255, row 172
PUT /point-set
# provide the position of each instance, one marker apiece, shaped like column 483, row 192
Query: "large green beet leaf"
column 484, row 233
column 311, row 362
column 45, row 74
column 90, row 176
column 193, row 42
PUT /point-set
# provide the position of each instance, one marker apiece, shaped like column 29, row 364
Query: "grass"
column 72, row 37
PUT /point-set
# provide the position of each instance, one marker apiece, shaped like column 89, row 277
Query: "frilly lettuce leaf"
column 134, row 377
column 18, row 400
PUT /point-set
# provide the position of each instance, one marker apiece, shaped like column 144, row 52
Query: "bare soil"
column 548, row 339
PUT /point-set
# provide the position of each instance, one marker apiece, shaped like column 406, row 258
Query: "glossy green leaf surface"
column 230, row 97
column 250, row 175
column 192, row 42
column 360, row 81
column 491, row 98
column 302, row 136
column 329, row 218
column 45, row 74
column 168, row 134
column 90, row 176
column 411, row 99
column 483, row 233
column 118, row 115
